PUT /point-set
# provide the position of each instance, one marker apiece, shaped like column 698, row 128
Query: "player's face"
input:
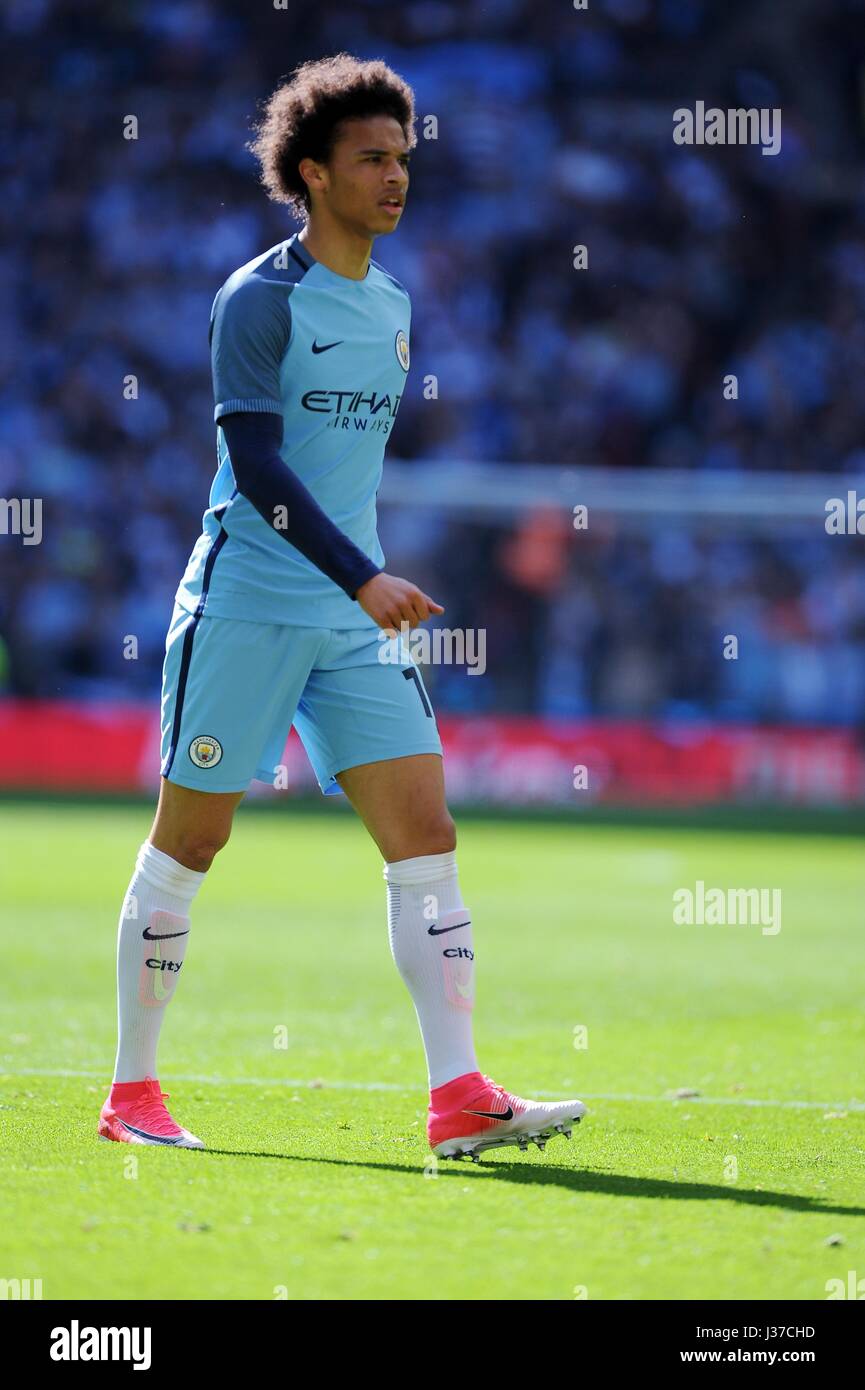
column 367, row 175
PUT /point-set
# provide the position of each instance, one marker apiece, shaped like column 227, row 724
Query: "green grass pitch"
column 317, row 1181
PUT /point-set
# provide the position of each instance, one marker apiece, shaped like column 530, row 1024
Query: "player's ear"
column 314, row 175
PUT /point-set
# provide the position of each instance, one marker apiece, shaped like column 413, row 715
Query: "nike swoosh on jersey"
column 432, row 931
column 325, row 347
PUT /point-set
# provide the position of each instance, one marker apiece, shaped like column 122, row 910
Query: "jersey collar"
column 298, row 249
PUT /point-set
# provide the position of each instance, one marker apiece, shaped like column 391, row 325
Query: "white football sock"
column 151, row 944
column 431, row 942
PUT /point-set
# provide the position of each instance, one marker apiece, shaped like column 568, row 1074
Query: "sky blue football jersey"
column 329, row 354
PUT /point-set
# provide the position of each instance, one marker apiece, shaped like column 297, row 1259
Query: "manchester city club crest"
column 205, row 751
column 402, row 350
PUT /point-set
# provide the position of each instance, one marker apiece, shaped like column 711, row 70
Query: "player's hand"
column 390, row 602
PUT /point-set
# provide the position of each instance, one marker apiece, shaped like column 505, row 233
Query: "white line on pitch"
column 314, row 1084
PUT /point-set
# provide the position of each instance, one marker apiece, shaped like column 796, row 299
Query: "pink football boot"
column 135, row 1113
column 471, row 1113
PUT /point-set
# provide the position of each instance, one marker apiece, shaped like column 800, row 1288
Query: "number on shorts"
column 411, row 675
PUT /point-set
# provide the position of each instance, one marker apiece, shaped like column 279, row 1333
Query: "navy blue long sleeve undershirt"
column 267, row 482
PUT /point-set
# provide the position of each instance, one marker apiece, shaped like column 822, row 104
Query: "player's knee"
column 197, row 849
column 439, row 835
column 199, row 856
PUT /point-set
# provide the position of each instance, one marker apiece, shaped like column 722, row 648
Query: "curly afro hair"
column 301, row 119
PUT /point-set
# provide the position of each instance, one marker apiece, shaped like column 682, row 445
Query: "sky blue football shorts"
column 232, row 689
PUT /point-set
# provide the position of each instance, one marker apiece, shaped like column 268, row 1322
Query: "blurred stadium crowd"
column 554, row 129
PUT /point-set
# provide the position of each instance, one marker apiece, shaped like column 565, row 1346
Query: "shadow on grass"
column 581, row 1180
